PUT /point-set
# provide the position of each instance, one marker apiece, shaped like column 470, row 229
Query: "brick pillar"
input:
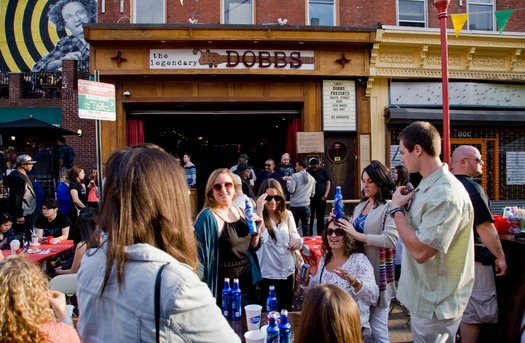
column 15, row 89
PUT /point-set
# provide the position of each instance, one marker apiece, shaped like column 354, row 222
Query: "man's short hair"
column 242, row 167
column 423, row 134
column 61, row 139
column 302, row 164
column 244, row 156
column 314, row 161
column 50, row 203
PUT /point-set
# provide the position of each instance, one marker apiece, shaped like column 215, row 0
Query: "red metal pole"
column 442, row 6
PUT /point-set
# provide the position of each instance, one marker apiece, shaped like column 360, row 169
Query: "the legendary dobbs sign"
column 230, row 59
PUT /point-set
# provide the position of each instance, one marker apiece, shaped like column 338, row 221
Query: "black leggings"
column 283, row 291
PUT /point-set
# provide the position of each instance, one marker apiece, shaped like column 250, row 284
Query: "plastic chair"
column 66, row 283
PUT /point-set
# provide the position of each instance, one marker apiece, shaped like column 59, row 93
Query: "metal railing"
column 4, row 86
column 41, row 85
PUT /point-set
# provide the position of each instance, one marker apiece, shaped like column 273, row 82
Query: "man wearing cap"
column 243, row 158
column 243, row 171
column 22, row 197
column 318, row 202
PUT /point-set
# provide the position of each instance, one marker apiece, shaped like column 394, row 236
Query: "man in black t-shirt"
column 482, row 307
column 318, row 202
column 51, row 222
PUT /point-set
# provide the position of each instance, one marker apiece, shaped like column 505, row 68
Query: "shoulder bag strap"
column 157, row 301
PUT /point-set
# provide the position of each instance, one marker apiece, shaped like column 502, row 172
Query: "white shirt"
column 275, row 259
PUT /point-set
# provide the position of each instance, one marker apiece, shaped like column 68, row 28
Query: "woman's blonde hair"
column 329, row 314
column 209, row 200
column 146, row 200
column 24, row 305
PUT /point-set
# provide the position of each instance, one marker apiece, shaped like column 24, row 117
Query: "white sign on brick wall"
column 514, row 168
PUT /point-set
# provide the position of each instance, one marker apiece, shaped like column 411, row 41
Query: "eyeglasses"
column 338, row 232
column 273, row 197
column 218, row 186
column 478, row 160
column 268, row 165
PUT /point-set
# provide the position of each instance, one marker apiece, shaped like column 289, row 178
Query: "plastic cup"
column 15, row 245
column 49, row 238
column 255, row 336
column 69, row 309
column 253, row 316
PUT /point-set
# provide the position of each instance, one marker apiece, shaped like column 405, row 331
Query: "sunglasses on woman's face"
column 338, row 232
column 227, row 185
column 273, row 197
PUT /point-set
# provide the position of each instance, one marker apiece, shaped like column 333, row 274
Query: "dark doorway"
column 215, row 140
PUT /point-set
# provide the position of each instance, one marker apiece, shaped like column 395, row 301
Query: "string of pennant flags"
column 502, row 18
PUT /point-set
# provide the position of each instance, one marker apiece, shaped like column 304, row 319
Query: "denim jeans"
column 302, row 213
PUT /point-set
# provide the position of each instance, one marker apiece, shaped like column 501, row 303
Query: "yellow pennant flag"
column 458, row 20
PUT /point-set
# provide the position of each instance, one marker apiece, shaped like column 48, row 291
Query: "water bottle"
column 271, row 302
column 338, row 203
column 236, row 299
column 226, row 298
column 272, row 331
column 248, row 212
column 285, row 328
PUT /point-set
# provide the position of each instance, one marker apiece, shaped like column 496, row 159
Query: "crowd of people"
column 147, row 271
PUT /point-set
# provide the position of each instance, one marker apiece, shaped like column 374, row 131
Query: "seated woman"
column 52, row 223
column 87, row 228
column 344, row 266
column 329, row 314
column 6, row 230
column 30, row 312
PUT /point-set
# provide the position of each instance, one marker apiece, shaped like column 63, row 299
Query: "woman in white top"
column 278, row 238
column 343, row 265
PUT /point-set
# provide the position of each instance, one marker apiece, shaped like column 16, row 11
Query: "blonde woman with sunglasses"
column 343, row 265
column 226, row 248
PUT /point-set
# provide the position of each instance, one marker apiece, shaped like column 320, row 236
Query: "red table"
column 314, row 244
column 48, row 251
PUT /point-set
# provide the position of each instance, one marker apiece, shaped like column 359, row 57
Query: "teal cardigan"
column 207, row 234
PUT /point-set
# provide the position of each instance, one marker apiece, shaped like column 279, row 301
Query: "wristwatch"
column 395, row 210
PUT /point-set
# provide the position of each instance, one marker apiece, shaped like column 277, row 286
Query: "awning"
column 52, row 115
column 407, row 115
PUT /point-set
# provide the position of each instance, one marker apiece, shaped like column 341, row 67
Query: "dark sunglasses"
column 218, row 186
column 268, row 165
column 273, row 197
column 338, row 232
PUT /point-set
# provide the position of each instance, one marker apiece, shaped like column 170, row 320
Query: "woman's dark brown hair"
column 280, row 211
column 146, row 200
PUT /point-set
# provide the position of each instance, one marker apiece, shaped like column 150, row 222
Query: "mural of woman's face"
column 75, row 14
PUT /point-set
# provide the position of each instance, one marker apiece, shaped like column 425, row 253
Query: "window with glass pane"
column 481, row 15
column 321, row 12
column 238, row 11
column 149, row 11
column 411, row 13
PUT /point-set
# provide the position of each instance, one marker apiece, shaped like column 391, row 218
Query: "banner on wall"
column 37, row 35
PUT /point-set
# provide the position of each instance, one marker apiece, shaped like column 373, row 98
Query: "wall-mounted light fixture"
column 80, row 132
column 126, row 93
column 13, row 138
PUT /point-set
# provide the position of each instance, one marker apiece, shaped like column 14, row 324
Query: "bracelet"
column 395, row 210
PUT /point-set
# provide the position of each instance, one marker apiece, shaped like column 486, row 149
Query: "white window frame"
column 224, row 4
column 490, row 4
column 425, row 15
column 334, row 12
column 136, row 11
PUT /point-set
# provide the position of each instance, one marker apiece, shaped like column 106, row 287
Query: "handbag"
column 157, row 301
column 296, row 254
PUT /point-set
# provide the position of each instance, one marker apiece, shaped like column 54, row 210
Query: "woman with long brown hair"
column 279, row 237
column 145, row 211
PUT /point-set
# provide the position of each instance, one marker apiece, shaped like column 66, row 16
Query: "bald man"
column 466, row 164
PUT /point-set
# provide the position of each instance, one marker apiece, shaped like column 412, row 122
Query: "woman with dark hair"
column 88, row 236
column 279, row 237
column 343, row 265
column 329, row 315
column 6, row 230
column 226, row 248
column 150, row 253
column 372, row 225
column 402, row 177
column 77, row 190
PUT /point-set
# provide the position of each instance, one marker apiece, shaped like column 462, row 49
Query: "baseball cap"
column 244, row 156
column 242, row 167
column 24, row 159
column 314, row 161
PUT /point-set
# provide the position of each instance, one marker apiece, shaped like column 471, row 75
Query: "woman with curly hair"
column 329, row 315
column 375, row 228
column 279, row 237
column 29, row 312
column 343, row 265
